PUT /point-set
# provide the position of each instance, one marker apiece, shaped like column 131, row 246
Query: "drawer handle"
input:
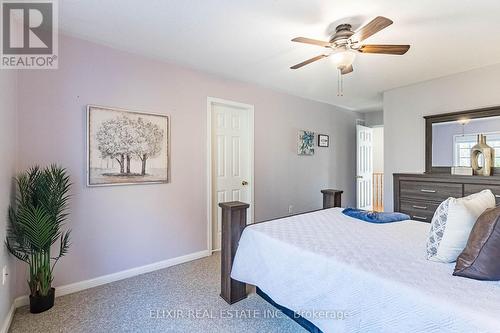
column 420, row 207
column 420, row 217
column 497, row 195
column 428, row 191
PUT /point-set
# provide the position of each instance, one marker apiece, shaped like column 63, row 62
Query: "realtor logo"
column 29, row 34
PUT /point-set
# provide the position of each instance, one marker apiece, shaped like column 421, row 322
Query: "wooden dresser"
column 419, row 195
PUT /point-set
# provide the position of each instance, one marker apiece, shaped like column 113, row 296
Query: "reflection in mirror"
column 480, row 160
column 452, row 141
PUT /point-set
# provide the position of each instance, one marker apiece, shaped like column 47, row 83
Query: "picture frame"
column 126, row 147
column 305, row 143
column 323, row 140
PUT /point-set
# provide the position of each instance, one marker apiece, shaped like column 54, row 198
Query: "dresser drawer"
column 432, row 191
column 474, row 188
column 427, row 218
column 419, row 210
column 419, row 207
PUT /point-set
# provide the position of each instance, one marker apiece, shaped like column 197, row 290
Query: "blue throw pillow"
column 375, row 217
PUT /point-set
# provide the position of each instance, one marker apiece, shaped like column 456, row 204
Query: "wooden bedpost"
column 332, row 198
column 234, row 220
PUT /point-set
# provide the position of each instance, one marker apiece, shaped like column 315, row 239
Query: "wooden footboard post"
column 332, row 198
column 234, row 220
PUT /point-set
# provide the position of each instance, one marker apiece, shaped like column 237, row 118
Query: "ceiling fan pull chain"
column 340, row 83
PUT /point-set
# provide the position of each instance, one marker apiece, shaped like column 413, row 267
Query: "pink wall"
column 117, row 228
column 8, row 106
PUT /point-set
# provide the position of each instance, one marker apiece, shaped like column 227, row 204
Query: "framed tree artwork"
column 126, row 147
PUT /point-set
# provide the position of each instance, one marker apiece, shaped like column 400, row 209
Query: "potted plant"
column 35, row 224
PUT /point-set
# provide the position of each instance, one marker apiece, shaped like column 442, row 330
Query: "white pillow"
column 452, row 224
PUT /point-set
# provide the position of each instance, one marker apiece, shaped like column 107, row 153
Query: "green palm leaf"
column 36, row 221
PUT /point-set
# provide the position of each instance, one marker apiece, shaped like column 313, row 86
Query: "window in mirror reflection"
column 464, row 143
column 452, row 140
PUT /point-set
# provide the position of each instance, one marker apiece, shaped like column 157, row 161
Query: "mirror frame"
column 453, row 116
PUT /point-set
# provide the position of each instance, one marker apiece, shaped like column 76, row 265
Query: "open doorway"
column 378, row 168
column 370, row 167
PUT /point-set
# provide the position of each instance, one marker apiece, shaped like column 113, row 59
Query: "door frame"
column 358, row 165
column 250, row 109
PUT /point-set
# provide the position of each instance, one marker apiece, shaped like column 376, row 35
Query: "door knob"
column 244, row 183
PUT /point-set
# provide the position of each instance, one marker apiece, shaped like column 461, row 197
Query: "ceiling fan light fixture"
column 343, row 58
column 463, row 121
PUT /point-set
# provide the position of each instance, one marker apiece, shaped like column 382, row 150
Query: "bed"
column 345, row 275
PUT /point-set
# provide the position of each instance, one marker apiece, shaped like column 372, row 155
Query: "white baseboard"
column 8, row 319
column 87, row 284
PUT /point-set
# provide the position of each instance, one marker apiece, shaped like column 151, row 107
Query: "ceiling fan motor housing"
column 342, row 34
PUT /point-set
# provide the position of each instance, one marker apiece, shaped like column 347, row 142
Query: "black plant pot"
column 42, row 303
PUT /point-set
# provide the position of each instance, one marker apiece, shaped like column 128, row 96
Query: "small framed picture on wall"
column 323, row 140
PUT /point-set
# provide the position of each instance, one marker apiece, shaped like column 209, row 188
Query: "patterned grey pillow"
column 438, row 225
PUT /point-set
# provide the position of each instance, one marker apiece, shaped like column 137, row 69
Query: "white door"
column 231, row 161
column 364, row 169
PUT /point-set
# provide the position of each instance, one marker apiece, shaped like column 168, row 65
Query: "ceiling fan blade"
column 346, row 70
column 371, row 28
column 311, row 41
column 385, row 49
column 308, row 61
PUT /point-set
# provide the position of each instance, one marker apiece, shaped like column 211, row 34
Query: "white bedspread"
column 325, row 262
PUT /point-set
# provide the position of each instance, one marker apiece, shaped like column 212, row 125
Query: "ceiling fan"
column 345, row 44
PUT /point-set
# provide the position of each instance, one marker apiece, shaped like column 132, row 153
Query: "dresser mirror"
column 451, row 136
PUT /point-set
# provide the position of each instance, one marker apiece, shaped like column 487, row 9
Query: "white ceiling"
column 249, row 40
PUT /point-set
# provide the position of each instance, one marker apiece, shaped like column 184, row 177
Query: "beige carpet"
column 183, row 298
